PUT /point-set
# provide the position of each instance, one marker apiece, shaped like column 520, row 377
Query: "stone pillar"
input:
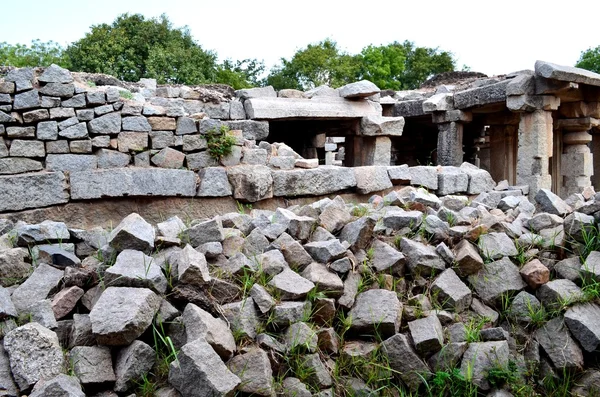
column 577, row 165
column 450, row 144
column 375, row 150
column 596, row 149
column 534, row 150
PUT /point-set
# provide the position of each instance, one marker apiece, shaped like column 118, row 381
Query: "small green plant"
column 219, row 142
column 164, row 349
column 145, row 387
column 359, row 210
column 125, row 95
column 241, row 207
column 473, row 329
column 91, row 84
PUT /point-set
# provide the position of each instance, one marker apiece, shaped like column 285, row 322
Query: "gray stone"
column 325, row 251
column 497, row 279
column 492, row 93
column 34, row 353
column 556, row 341
column 13, row 267
column 200, row 324
column 61, row 113
column 480, row 357
column 422, row 196
column 286, row 313
column 283, row 162
column 133, row 362
column 135, row 269
column 168, row 158
column 291, row 285
column 551, row 203
column 171, row 227
column 257, row 92
column 421, row 259
column 313, row 182
column 122, row 314
column 556, row 293
column 272, row 262
column 35, row 115
column 263, row 300
column 448, row 357
column 70, row 162
column 450, row 292
column 77, row 101
column 579, row 226
column 60, row 386
column 325, row 281
column 83, row 146
column 371, row 179
column 205, row 232
column 292, row 251
column 192, row 267
column 243, row 317
column 196, row 161
column 375, row 125
column 566, row 73
column 359, row 89
column 17, row 165
column 27, row 100
column 20, row 148
column 378, row 310
column 92, row 364
column 496, row 245
column 37, row 287
column 387, row 259
column 425, row 176
column 132, row 182
column 58, row 90
column 186, row 125
column 284, row 108
column 20, row 132
column 397, row 219
column 107, row 124
column 161, row 139
column 130, row 141
column 452, row 180
column 41, row 312
column 254, row 370
column 47, row 130
column 191, row 143
column 523, row 306
column 55, row 74
column 132, row 233
column 81, row 331
column 358, row 233
column 96, row 98
column 319, row 376
column 112, row 159
column 136, row 123
column 584, row 323
column 45, row 232
column 21, row 77
column 405, row 362
column 5, row 118
column 427, row 334
column 293, row 387
column 251, row 129
column 587, row 385
column 251, row 182
column 64, row 301
column 300, row 337
column 468, row 260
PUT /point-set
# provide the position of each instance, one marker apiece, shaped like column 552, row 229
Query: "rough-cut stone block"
column 492, row 93
column 359, row 89
column 282, row 108
column 371, row 179
column 251, row 182
column 214, row 183
column 566, row 73
column 19, row 165
column 132, row 182
column 312, row 182
column 381, row 126
column 33, row 191
column 70, row 162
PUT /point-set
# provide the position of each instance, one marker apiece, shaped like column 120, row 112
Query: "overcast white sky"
column 490, row 37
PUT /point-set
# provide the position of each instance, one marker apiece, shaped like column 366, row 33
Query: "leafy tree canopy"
column 36, row 54
column 133, row 47
column 590, row 60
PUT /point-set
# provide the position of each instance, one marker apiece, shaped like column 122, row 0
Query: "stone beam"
column 566, row 73
column 580, row 109
column 579, row 124
column 316, row 108
column 492, row 93
column 409, row 108
column 449, row 145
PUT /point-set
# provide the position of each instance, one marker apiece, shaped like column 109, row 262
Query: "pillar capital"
column 581, row 124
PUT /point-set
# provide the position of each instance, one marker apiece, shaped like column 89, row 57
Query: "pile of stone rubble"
column 299, row 301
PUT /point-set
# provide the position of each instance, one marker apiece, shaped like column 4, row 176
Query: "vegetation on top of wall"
column 590, row 59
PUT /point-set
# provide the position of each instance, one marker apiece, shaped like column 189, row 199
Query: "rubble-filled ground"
column 408, row 294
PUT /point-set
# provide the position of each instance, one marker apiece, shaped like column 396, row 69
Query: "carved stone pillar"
column 577, row 165
column 535, row 138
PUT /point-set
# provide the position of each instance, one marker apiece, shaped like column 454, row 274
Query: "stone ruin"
column 73, row 137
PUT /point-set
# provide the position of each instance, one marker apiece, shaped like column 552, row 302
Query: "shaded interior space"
column 322, row 139
column 418, row 143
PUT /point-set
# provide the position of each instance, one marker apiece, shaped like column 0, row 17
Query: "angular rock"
column 204, row 232
column 132, row 363
column 60, row 386
column 92, row 364
column 376, row 310
column 135, row 269
column 523, row 306
column 556, row 341
column 250, row 182
column 427, row 334
column 371, row 179
column 242, row 317
column 421, row 259
column 312, row 182
column 584, row 323
column 405, row 362
column 325, row 251
column 293, row 252
column 18, row 165
column 325, row 281
column 291, row 285
column 535, row 273
column 566, row 73
column 497, row 279
column 136, row 123
column 359, row 89
column 108, row 124
column 192, row 267
column 450, row 292
column 133, row 233
column 558, row 293
column 34, row 353
column 13, row 267
column 200, row 324
column 551, row 203
column 55, row 74
column 37, row 287
column 387, row 259
column 425, row 176
column 467, row 258
column 122, row 314
column 254, row 370
column 64, row 302
column 480, row 357
column 496, row 245
column 214, row 183
column 300, row 337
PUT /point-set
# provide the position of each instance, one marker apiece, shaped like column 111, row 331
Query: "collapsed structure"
column 71, row 137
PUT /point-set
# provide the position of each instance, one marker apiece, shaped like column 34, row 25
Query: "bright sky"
column 490, row 37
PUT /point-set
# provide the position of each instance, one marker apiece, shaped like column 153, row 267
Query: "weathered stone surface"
column 292, row 251
column 112, row 159
column 65, row 301
column 313, row 182
column 214, row 183
column 92, row 364
column 132, row 363
column 136, row 123
column 555, row 293
column 81, row 331
column 551, row 203
column 205, row 232
column 497, row 245
column 381, row 126
column 133, row 233
column 200, row 324
column 62, row 90
column 450, row 292
column 480, row 357
column 325, row 251
column 34, row 354
column 497, row 279
column 18, row 165
column 257, row 92
column 132, row 182
column 254, row 370
column 243, row 317
column 523, row 306
column 13, row 267
column 70, row 162
column 107, row 124
column 55, row 74
column 293, row 387
column 492, row 93
column 122, row 314
column 405, row 362
column 421, row 259
column 198, row 361
column 37, row 287
column 135, row 269
column 251, row 129
column 452, row 180
column 60, row 386
column 251, row 182
column 535, row 273
column 556, row 341
column 584, row 323
column 425, row 176
column 27, row 100
column 566, row 73
column 371, row 179
column 467, row 258
column 327, row 282
column 283, row 108
column 291, row 285
column 359, row 89
column 300, row 337
column 376, row 310
column 20, row 148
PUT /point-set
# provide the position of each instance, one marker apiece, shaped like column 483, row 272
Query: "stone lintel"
column 580, row 109
column 578, row 124
column 545, row 86
column 566, row 73
column 316, row 108
column 493, row 93
column 409, row 108
column 438, row 103
column 451, row 116
column 529, row 103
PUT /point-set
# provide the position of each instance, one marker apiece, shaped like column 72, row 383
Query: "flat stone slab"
column 312, row 182
column 566, row 73
column 132, row 182
column 493, row 93
column 32, row 191
column 321, row 108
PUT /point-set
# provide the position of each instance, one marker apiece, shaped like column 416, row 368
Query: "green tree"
column 315, row 65
column 590, row 60
column 133, row 47
column 241, row 74
column 402, row 66
column 37, row 54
